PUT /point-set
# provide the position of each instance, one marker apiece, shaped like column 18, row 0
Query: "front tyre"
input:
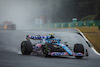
column 26, row 48
column 78, row 48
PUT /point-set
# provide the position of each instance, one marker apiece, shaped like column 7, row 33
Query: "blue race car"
column 50, row 46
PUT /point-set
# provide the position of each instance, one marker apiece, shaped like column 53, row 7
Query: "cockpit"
column 54, row 41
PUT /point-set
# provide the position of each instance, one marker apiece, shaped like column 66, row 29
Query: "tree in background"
column 88, row 9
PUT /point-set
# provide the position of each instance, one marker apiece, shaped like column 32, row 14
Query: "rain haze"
column 24, row 12
column 49, row 33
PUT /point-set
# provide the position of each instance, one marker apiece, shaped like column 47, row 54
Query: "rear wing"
column 38, row 37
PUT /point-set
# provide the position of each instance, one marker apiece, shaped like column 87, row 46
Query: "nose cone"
column 66, row 49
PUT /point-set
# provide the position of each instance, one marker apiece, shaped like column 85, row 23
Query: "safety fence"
column 72, row 24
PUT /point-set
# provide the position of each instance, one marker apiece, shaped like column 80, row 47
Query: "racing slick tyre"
column 26, row 48
column 45, row 51
column 78, row 48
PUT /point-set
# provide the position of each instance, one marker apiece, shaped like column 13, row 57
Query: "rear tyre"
column 78, row 48
column 45, row 51
column 26, row 48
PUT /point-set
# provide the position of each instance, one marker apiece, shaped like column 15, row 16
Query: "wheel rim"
column 49, row 50
column 44, row 53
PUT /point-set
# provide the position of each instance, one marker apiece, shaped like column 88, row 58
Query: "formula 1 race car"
column 50, row 46
column 7, row 26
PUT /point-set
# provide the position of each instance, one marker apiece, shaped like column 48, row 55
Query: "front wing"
column 66, row 54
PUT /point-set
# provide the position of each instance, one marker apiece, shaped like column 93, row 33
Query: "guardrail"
column 69, row 24
column 72, row 24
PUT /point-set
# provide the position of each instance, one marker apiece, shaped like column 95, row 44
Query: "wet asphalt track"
column 10, row 50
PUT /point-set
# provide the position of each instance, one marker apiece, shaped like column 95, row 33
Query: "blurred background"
column 28, row 14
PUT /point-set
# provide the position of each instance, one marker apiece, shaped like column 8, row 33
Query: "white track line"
column 89, row 42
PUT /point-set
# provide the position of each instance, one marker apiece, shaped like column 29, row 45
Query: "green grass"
column 92, row 36
column 89, row 30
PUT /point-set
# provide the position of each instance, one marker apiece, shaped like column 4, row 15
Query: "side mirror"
column 59, row 39
column 27, row 36
column 66, row 44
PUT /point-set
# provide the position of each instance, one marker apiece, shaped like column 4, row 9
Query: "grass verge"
column 93, row 35
column 89, row 30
